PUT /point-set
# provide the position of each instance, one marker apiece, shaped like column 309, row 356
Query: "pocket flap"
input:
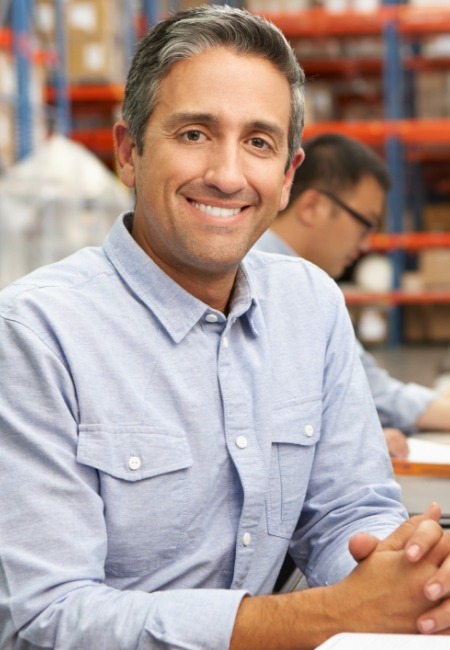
column 133, row 452
column 297, row 423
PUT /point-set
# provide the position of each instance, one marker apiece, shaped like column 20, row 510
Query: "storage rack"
column 399, row 134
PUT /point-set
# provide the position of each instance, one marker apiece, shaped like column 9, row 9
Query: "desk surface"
column 419, row 491
column 347, row 641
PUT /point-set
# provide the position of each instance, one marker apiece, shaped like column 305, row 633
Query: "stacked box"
column 434, row 266
column 8, row 97
column 436, row 217
column 426, row 323
column 95, row 41
column 94, row 38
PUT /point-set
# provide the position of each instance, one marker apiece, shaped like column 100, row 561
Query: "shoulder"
column 55, row 283
column 287, row 270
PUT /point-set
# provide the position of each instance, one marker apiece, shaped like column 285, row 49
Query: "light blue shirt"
column 158, row 458
column 399, row 404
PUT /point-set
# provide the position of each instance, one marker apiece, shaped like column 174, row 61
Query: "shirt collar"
column 176, row 309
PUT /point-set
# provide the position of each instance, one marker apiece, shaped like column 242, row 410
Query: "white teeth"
column 216, row 212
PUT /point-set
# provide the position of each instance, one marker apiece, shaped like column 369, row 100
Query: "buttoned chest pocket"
column 295, row 432
column 144, row 485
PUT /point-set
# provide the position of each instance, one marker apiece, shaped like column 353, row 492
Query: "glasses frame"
column 369, row 225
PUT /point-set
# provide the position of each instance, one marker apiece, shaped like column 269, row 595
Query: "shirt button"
column 246, row 539
column 134, row 462
column 211, row 318
column 241, row 442
column 309, row 430
column 225, row 342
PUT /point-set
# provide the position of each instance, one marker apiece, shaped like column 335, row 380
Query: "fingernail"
column 413, row 551
column 433, row 591
column 427, row 625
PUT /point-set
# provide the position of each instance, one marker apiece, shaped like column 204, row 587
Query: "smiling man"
column 177, row 414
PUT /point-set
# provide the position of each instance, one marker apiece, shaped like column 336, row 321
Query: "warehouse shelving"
column 403, row 138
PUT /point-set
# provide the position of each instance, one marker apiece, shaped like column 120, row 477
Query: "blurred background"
column 376, row 70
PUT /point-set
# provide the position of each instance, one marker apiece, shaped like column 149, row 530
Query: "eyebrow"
column 186, row 117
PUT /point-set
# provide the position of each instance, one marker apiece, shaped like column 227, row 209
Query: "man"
column 172, row 419
column 337, row 200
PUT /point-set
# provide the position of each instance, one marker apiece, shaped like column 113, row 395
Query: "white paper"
column 424, row 451
column 348, row 641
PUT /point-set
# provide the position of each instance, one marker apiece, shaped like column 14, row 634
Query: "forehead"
column 367, row 196
column 223, row 79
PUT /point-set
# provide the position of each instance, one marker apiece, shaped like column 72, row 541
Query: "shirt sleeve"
column 53, row 534
column 352, row 486
column 398, row 404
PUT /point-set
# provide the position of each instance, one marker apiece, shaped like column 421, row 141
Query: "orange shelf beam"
column 315, row 22
column 100, row 140
column 412, row 241
column 320, row 22
column 5, row 38
column 417, row 20
column 348, row 66
column 94, row 93
column 414, row 132
column 392, row 298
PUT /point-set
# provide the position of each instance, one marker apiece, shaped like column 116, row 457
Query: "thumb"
column 363, row 544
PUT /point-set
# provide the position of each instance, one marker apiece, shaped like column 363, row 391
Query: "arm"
column 384, row 594
column 399, row 405
column 53, row 528
column 435, row 416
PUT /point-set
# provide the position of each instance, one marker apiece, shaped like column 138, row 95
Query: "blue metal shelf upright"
column 393, row 90
column 20, row 22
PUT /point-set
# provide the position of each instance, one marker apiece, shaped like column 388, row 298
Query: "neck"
column 287, row 230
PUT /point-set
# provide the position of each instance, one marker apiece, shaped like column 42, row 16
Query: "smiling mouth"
column 215, row 211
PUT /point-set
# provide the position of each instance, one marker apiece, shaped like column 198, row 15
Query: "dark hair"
column 336, row 162
column 193, row 31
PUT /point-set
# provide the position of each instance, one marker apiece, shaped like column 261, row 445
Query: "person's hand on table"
column 421, row 540
column 397, row 442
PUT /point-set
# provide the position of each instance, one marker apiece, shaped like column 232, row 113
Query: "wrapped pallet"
column 54, row 202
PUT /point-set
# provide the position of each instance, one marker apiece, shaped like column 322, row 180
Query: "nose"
column 224, row 169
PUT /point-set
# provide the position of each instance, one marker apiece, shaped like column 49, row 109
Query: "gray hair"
column 190, row 32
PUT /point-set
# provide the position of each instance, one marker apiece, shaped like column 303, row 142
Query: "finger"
column 404, row 537
column 438, row 586
column 436, row 620
column 362, row 545
column 424, row 538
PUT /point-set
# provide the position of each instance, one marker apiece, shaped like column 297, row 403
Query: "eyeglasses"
column 369, row 225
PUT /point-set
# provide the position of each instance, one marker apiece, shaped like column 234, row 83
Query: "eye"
column 193, row 135
column 260, row 143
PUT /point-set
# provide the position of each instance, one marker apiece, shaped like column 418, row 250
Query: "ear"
column 289, row 177
column 308, row 208
column 125, row 150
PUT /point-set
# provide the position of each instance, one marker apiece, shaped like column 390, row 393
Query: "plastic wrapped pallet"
column 54, row 202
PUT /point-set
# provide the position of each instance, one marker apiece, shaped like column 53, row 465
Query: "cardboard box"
column 44, row 22
column 96, row 61
column 438, row 323
column 434, row 266
column 95, row 41
column 426, row 323
column 8, row 131
column 436, row 217
column 92, row 18
column 8, row 76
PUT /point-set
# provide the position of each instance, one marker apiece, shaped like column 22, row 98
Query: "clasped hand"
column 403, row 579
